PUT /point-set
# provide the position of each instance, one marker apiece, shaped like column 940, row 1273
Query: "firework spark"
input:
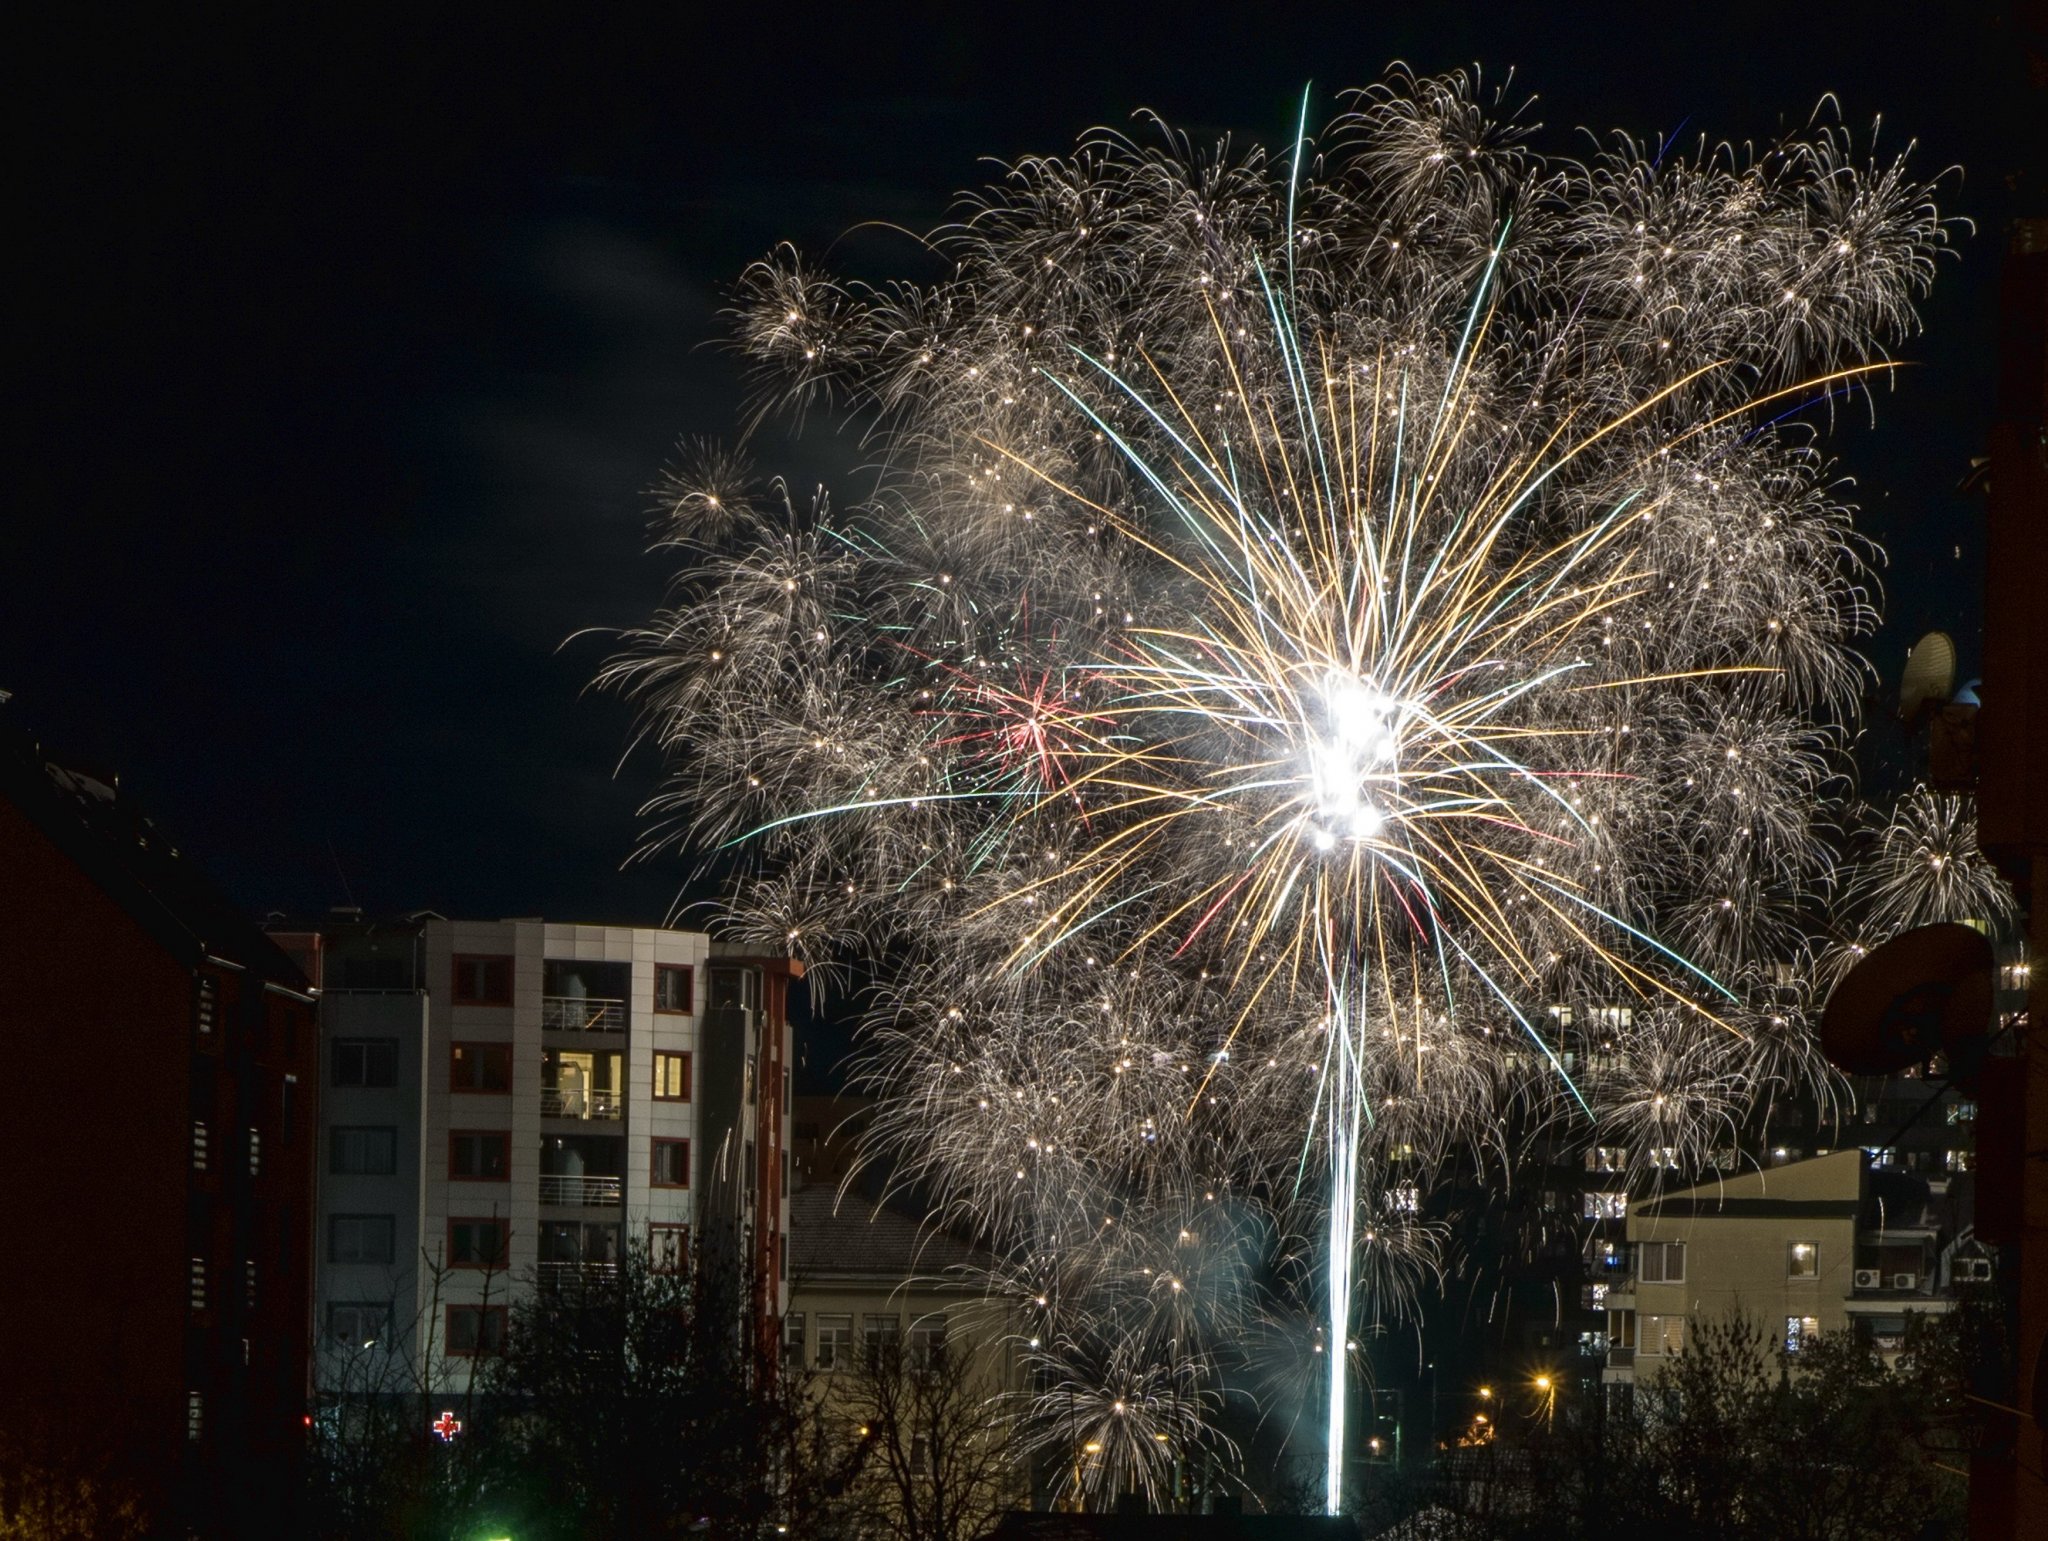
column 1337, row 637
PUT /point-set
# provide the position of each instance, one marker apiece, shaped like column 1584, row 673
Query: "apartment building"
column 511, row 1104
column 156, row 1346
column 1825, row 1245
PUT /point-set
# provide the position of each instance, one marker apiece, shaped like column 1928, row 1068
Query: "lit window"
column 1615, row 1016
column 1802, row 1260
column 255, row 1151
column 1958, row 1161
column 1664, row 1157
column 1660, row 1335
column 671, row 1077
column 1405, row 1200
column 198, row 1274
column 1962, row 1112
column 1593, row 1297
column 1881, row 1155
column 1607, row 1158
column 195, row 1415
column 1800, row 1331
column 675, row 989
column 1606, row 1206
column 199, row 1144
column 670, row 1164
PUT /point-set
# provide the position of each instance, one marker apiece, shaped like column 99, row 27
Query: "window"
column 1882, row 1155
column 204, row 1009
column 1664, row 1158
column 668, row 1248
column 1593, row 1297
column 1614, row 1016
column 249, row 1284
column 255, row 1151
column 195, row 1416
column 1607, row 1158
column 198, row 1277
column 360, row 1238
column 1802, row 1260
column 362, row 1152
column 1660, row 1334
column 1404, row 1199
column 1962, row 1112
column 199, row 1144
column 1800, row 1331
column 482, row 981
column 480, row 1067
column 1662, row 1262
column 476, row 1243
column 671, row 1165
column 793, row 1341
column 880, row 1335
column 365, row 1062
column 835, row 1342
column 480, row 1155
column 1606, row 1206
column 675, row 988
column 1957, row 1161
column 474, row 1330
column 358, row 1323
column 671, row 1078
column 928, row 1341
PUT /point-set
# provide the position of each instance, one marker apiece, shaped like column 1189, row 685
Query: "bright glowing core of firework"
column 1350, row 755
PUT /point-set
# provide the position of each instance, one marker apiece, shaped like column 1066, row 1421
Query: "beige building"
column 1819, row 1246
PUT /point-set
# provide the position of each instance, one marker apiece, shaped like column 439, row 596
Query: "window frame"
column 1809, row 1275
column 1664, row 1274
column 842, row 1347
column 1797, row 1332
column 497, row 1223
column 1644, row 1337
column 390, row 1250
column 479, row 1349
column 688, row 974
column 683, row 1058
column 664, row 1260
column 334, row 1133
column 362, row 1047
column 486, row 1051
column 457, row 986
column 381, row 1309
column 654, row 1147
column 504, row 1136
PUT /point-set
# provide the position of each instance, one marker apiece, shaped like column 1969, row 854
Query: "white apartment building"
column 510, row 1104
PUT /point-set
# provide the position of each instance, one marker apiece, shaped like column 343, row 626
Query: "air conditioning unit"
column 1869, row 1279
column 1905, row 1281
column 1973, row 1270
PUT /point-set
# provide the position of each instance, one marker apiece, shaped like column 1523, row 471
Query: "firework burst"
column 1337, row 636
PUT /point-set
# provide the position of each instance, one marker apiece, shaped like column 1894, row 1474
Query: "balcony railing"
column 555, row 1103
column 585, row 1192
column 582, row 1014
column 1620, row 1358
column 559, row 1277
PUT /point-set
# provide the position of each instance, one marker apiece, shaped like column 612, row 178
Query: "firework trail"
column 1334, row 638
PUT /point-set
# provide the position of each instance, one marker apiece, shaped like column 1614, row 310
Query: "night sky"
column 346, row 355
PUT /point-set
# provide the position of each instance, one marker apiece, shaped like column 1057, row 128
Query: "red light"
column 307, row 1420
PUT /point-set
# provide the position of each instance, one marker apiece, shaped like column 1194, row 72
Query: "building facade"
column 512, row 1104
column 157, row 1339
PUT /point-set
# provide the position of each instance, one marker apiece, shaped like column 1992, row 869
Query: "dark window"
column 482, row 981
column 359, row 1323
column 668, row 1248
column 671, row 1078
column 480, row 1156
column 362, row 1152
column 671, row 1164
column 360, row 1238
column 675, row 988
column 475, row 1330
column 476, row 1243
column 366, row 1062
column 480, row 1067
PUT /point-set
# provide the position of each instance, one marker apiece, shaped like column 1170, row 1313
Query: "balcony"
column 582, row 1014
column 584, row 1192
column 1620, row 1357
column 561, row 1278
column 556, row 1103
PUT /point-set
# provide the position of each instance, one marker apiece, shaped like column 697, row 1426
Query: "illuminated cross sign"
column 447, row 1426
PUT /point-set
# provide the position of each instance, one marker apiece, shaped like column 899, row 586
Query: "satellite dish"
column 1929, row 676
column 1925, row 992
